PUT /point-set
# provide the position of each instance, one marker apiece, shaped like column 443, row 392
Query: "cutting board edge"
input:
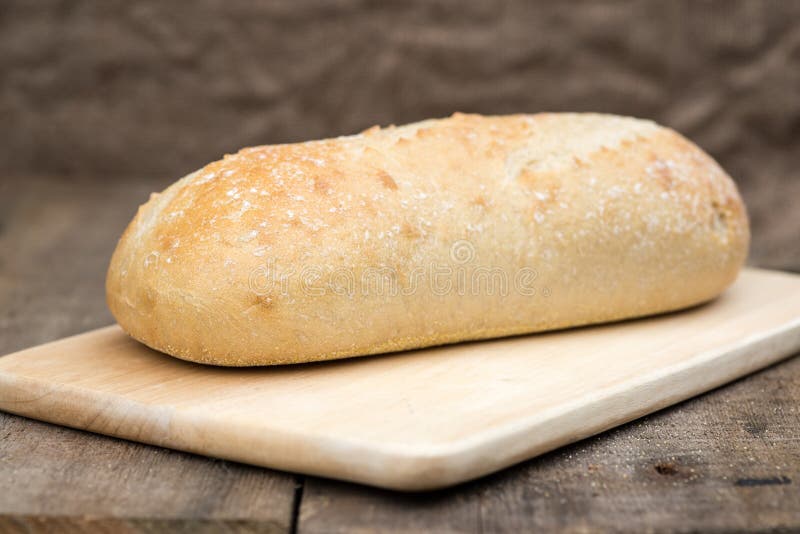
column 777, row 345
column 403, row 468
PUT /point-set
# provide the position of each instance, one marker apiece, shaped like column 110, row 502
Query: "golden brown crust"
column 326, row 249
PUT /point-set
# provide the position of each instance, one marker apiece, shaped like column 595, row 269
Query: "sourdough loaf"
column 436, row 232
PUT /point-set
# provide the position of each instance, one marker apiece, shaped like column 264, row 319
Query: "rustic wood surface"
column 727, row 460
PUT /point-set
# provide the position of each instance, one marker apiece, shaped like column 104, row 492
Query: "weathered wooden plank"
column 729, row 459
column 51, row 473
column 83, row 525
column 56, row 238
column 55, row 241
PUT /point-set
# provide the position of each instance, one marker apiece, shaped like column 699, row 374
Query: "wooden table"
column 729, row 459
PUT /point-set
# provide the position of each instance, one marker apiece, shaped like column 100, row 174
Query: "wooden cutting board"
column 415, row 420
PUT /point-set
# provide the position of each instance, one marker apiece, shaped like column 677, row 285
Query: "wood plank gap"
column 297, row 501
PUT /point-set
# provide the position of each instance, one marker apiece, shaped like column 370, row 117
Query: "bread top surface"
column 521, row 189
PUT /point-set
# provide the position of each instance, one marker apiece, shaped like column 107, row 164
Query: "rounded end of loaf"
column 616, row 217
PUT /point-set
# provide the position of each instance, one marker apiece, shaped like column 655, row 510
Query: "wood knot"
column 666, row 469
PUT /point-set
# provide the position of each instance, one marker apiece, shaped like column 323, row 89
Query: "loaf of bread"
column 436, row 232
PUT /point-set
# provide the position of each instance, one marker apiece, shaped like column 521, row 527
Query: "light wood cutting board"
column 416, row 420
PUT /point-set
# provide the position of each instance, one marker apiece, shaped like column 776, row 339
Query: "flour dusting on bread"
column 270, row 255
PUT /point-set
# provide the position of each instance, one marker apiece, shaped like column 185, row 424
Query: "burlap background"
column 118, row 89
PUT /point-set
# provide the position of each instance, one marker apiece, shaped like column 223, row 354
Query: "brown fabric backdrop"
column 116, row 89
